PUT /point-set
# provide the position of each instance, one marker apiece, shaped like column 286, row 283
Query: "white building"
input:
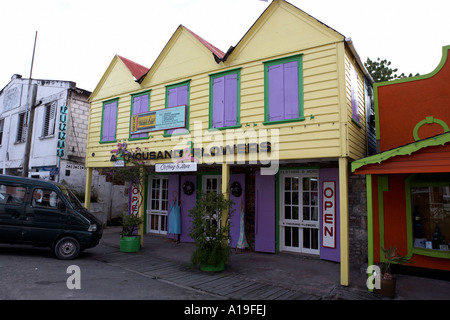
column 58, row 145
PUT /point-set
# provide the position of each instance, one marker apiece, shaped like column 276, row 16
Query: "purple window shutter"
column 276, row 95
column 177, row 97
column 109, row 121
column 264, row 213
column 354, row 96
column 105, row 125
column 218, row 102
column 172, row 98
column 291, row 103
column 140, row 104
column 230, row 113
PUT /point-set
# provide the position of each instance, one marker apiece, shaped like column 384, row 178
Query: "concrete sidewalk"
column 251, row 275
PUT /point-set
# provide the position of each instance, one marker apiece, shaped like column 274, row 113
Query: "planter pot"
column 211, row 268
column 130, row 244
column 387, row 288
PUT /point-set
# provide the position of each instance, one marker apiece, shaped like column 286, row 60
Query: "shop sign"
column 329, row 214
column 134, row 200
column 61, row 144
column 176, row 167
column 164, row 119
column 193, row 154
column 300, row 224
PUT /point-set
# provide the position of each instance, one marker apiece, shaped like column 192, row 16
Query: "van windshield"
column 73, row 200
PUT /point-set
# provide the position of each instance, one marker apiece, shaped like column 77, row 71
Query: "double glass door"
column 299, row 212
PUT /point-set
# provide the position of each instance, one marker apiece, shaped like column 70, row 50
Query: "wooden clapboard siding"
column 325, row 76
column 356, row 133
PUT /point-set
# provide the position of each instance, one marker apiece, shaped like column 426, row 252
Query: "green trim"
column 267, row 64
column 408, row 149
column 370, row 242
column 357, row 123
column 180, row 84
column 409, row 232
column 382, row 186
column 116, row 100
column 213, row 76
column 428, row 120
column 277, row 212
column 135, row 95
column 421, row 77
column 145, row 203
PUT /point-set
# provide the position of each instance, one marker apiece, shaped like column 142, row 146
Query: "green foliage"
column 130, row 224
column 210, row 235
column 381, row 70
column 391, row 256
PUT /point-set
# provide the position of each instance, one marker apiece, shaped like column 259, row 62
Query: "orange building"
column 408, row 181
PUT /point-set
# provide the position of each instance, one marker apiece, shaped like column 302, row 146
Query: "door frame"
column 282, row 223
column 159, row 213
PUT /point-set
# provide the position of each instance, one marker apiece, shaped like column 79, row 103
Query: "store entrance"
column 157, row 204
column 299, row 211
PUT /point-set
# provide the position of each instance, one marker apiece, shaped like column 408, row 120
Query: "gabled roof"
column 131, row 71
column 136, row 69
column 217, row 53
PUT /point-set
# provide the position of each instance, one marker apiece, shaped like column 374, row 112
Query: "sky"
column 77, row 39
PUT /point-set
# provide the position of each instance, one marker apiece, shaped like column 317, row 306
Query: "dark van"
column 46, row 214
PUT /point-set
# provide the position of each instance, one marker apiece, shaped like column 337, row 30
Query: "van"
column 45, row 214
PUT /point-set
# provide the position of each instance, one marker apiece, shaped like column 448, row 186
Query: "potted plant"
column 210, row 233
column 388, row 280
column 130, row 241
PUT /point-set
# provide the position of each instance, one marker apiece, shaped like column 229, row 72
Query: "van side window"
column 11, row 194
column 45, row 198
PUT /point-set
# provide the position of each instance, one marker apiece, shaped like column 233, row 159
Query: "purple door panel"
column 265, row 213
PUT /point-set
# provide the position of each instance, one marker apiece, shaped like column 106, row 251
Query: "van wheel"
column 67, row 248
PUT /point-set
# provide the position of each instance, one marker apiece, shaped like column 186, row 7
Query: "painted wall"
column 402, row 104
column 13, row 101
column 322, row 134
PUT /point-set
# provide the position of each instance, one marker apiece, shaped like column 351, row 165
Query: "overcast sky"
column 77, row 39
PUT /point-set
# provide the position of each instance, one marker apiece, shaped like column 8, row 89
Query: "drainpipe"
column 26, row 158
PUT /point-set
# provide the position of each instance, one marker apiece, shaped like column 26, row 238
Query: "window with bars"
column 2, row 124
column 48, row 127
column 21, row 128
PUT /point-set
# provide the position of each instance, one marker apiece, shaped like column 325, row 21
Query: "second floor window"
column 109, row 121
column 21, row 128
column 224, row 101
column 140, row 103
column 283, row 90
column 178, row 95
column 2, row 125
column 48, row 128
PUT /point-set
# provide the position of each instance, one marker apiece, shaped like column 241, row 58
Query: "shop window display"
column 431, row 217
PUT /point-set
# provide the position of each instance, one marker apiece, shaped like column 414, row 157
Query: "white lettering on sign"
column 329, row 214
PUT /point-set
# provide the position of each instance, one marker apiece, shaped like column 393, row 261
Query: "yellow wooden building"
column 273, row 123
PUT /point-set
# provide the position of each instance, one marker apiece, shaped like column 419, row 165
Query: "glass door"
column 299, row 213
column 158, row 204
column 212, row 183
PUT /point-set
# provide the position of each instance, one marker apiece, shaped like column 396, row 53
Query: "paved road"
column 34, row 274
